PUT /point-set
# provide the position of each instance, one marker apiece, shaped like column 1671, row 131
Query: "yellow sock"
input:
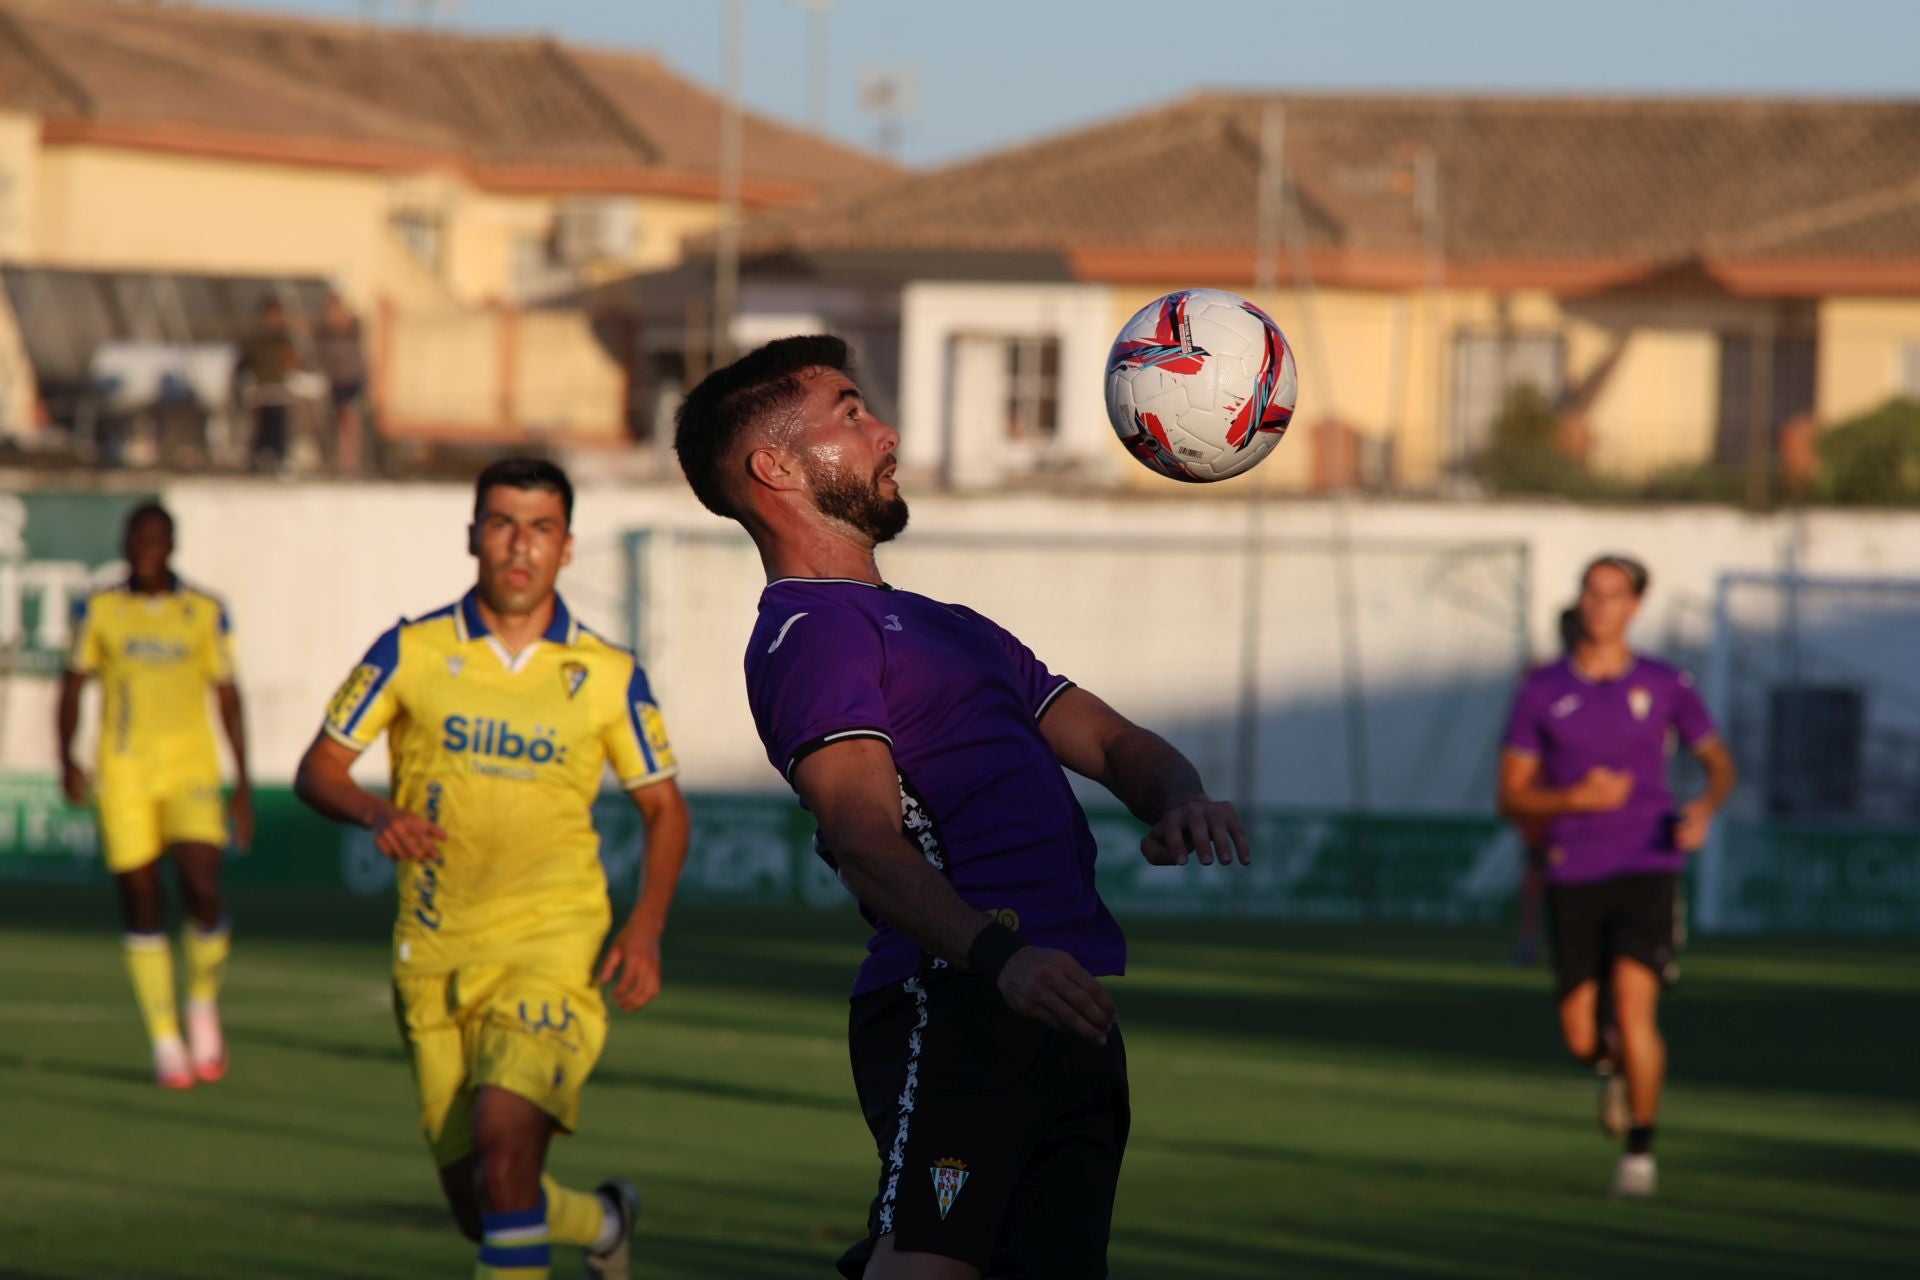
column 513, row 1246
column 207, row 951
column 573, row 1217
column 150, row 965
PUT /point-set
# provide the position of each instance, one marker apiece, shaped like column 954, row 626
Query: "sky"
column 993, row 72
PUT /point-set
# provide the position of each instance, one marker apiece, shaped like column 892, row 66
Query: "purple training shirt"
column 959, row 701
column 1574, row 723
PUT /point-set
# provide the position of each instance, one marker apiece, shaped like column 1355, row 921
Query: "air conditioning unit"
column 587, row 231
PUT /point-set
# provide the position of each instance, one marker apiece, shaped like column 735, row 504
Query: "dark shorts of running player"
column 1640, row 918
column 999, row 1138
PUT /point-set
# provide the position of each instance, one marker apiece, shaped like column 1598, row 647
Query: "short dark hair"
column 711, row 420
column 523, row 473
column 1637, row 575
column 148, row 510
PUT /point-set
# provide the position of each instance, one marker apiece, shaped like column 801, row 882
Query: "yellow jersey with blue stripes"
column 505, row 752
column 156, row 657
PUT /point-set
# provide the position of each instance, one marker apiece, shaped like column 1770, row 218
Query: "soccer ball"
column 1200, row 385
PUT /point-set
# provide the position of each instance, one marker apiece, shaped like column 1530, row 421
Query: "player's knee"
column 202, row 896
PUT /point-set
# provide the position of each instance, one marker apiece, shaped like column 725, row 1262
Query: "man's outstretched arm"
column 1147, row 774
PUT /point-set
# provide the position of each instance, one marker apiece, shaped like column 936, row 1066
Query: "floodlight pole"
column 817, row 61
column 1266, row 276
column 726, row 251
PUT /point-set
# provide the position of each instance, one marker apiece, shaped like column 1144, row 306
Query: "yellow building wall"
column 445, row 370
column 564, row 380
column 1657, row 408
column 19, row 179
column 1861, row 345
column 107, row 208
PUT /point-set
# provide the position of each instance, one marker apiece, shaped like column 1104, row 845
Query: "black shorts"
column 999, row 1138
column 1637, row 918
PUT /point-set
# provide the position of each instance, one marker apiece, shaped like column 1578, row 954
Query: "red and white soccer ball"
column 1201, row 385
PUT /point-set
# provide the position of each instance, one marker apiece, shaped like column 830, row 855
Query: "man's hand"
column 241, row 812
column 73, row 782
column 1602, row 790
column 635, row 958
column 404, row 836
column 1051, row 987
column 1209, row 828
column 1695, row 825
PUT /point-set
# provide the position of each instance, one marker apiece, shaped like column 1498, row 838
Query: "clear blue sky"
column 995, row 71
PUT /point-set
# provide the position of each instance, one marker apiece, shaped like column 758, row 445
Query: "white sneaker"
column 209, row 1044
column 172, row 1069
column 1634, row 1176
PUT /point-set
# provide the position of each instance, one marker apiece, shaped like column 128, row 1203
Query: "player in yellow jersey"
column 158, row 646
column 502, row 713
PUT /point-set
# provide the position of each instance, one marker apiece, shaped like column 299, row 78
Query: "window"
column 1489, row 366
column 1033, row 388
column 1789, row 394
column 423, row 232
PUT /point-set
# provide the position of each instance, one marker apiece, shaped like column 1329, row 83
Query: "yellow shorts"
column 136, row 826
column 514, row 1028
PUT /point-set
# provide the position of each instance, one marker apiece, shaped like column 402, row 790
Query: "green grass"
column 1309, row 1100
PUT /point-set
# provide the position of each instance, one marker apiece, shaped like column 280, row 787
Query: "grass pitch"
column 1309, row 1101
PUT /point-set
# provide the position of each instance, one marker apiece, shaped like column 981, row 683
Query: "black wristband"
column 992, row 947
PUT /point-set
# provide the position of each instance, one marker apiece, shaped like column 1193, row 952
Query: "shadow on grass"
column 605, row 1077
column 294, row 1042
column 1428, row 995
column 31, row 1062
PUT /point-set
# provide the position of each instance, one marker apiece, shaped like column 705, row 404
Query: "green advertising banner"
column 1816, row 877
column 52, row 548
column 757, row 848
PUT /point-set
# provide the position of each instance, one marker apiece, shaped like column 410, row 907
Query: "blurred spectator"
column 270, row 361
column 343, row 361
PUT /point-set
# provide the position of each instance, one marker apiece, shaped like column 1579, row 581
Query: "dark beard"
column 860, row 505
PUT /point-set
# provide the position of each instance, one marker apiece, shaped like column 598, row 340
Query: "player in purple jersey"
column 929, row 745
column 1586, row 752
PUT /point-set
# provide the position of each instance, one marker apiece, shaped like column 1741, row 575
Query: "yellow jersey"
column 505, row 752
column 156, row 657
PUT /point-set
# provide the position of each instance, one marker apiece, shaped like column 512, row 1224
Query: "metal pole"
column 726, row 253
column 1760, row 413
column 1710, row 909
column 1426, row 199
column 817, row 61
column 1246, row 755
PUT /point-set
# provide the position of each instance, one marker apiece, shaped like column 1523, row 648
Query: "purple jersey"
column 1573, row 723
column 959, row 701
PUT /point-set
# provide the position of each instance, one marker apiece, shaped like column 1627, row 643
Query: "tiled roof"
column 484, row 101
column 1520, row 180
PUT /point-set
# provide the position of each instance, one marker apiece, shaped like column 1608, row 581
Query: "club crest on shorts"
column 573, row 675
column 1640, row 702
column 949, row 1175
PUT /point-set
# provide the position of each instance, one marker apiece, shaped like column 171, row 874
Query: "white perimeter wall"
column 312, row 573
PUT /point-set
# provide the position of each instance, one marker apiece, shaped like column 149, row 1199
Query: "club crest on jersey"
column 1565, row 707
column 949, row 1175
column 1640, row 702
column 573, row 675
